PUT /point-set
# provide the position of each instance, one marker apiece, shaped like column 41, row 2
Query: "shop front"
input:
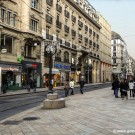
column 64, row 69
column 11, row 75
column 31, row 70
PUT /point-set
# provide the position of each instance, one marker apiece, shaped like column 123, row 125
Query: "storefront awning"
column 54, row 71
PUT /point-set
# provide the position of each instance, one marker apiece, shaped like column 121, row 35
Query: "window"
column 3, row 15
column 35, row 4
column 30, row 51
column 66, row 56
column 114, row 61
column 14, row 19
column 7, row 42
column 114, row 54
column 114, row 41
column 33, row 25
column 9, row 17
column 114, row 48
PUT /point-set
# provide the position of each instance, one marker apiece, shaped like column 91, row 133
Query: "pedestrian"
column 66, row 88
column 131, row 87
column 116, row 87
column 82, row 82
column 71, row 86
column 4, row 86
column 29, row 81
column 34, row 85
column 124, row 88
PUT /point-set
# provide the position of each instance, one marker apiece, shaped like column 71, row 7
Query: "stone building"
column 75, row 25
column 105, row 49
column 20, row 40
column 119, row 55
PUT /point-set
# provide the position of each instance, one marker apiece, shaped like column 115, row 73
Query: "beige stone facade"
column 105, row 49
column 78, row 32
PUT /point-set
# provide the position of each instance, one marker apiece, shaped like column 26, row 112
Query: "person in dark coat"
column 29, row 84
column 82, row 82
column 34, row 85
column 116, row 87
column 124, row 88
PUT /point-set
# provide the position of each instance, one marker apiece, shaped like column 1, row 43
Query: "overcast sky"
column 121, row 16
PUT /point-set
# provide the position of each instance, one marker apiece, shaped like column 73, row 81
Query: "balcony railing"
column 67, row 44
column 58, row 24
column 80, row 23
column 58, row 59
column 66, row 13
column 66, row 28
column 49, row 2
column 73, row 18
column 58, row 8
column 50, row 37
column 48, row 19
column 73, row 32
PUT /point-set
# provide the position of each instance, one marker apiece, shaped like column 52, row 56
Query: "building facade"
column 21, row 39
column 119, row 55
column 77, row 29
column 105, row 49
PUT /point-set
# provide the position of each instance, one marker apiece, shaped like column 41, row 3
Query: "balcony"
column 49, row 2
column 74, row 46
column 48, row 19
column 86, row 28
column 73, row 32
column 60, row 40
column 66, row 28
column 80, row 36
column 66, row 13
column 49, row 37
column 58, row 59
column 58, row 24
column 94, row 34
column 73, row 18
column 67, row 44
column 66, row 60
column 80, row 23
column 58, row 8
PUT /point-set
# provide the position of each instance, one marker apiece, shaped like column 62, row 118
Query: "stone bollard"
column 53, row 102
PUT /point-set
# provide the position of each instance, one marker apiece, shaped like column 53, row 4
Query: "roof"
column 115, row 35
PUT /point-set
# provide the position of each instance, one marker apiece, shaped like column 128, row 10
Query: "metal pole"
column 50, row 75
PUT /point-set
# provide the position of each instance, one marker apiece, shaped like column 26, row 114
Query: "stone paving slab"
column 93, row 113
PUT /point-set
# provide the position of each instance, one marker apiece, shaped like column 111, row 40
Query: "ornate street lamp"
column 51, row 48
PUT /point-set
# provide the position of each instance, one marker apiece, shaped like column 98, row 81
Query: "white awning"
column 54, row 71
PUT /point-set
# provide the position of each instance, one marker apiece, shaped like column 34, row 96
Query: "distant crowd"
column 122, row 87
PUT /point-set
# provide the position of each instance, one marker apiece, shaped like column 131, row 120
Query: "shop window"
column 7, row 42
column 30, row 51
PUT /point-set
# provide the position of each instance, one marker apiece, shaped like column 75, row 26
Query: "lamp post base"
column 53, row 102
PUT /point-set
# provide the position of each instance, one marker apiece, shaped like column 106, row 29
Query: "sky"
column 120, row 14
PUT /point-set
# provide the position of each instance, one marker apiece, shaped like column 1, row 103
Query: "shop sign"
column 9, row 69
column 32, row 65
column 62, row 66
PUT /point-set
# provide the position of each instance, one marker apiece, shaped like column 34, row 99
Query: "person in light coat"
column 71, row 86
column 131, row 87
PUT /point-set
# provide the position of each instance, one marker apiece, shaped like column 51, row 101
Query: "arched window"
column 66, row 57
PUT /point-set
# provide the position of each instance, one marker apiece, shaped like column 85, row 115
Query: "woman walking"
column 131, row 87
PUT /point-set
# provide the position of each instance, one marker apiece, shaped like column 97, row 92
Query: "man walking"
column 82, row 82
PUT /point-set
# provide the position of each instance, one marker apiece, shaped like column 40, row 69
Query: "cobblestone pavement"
column 93, row 113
